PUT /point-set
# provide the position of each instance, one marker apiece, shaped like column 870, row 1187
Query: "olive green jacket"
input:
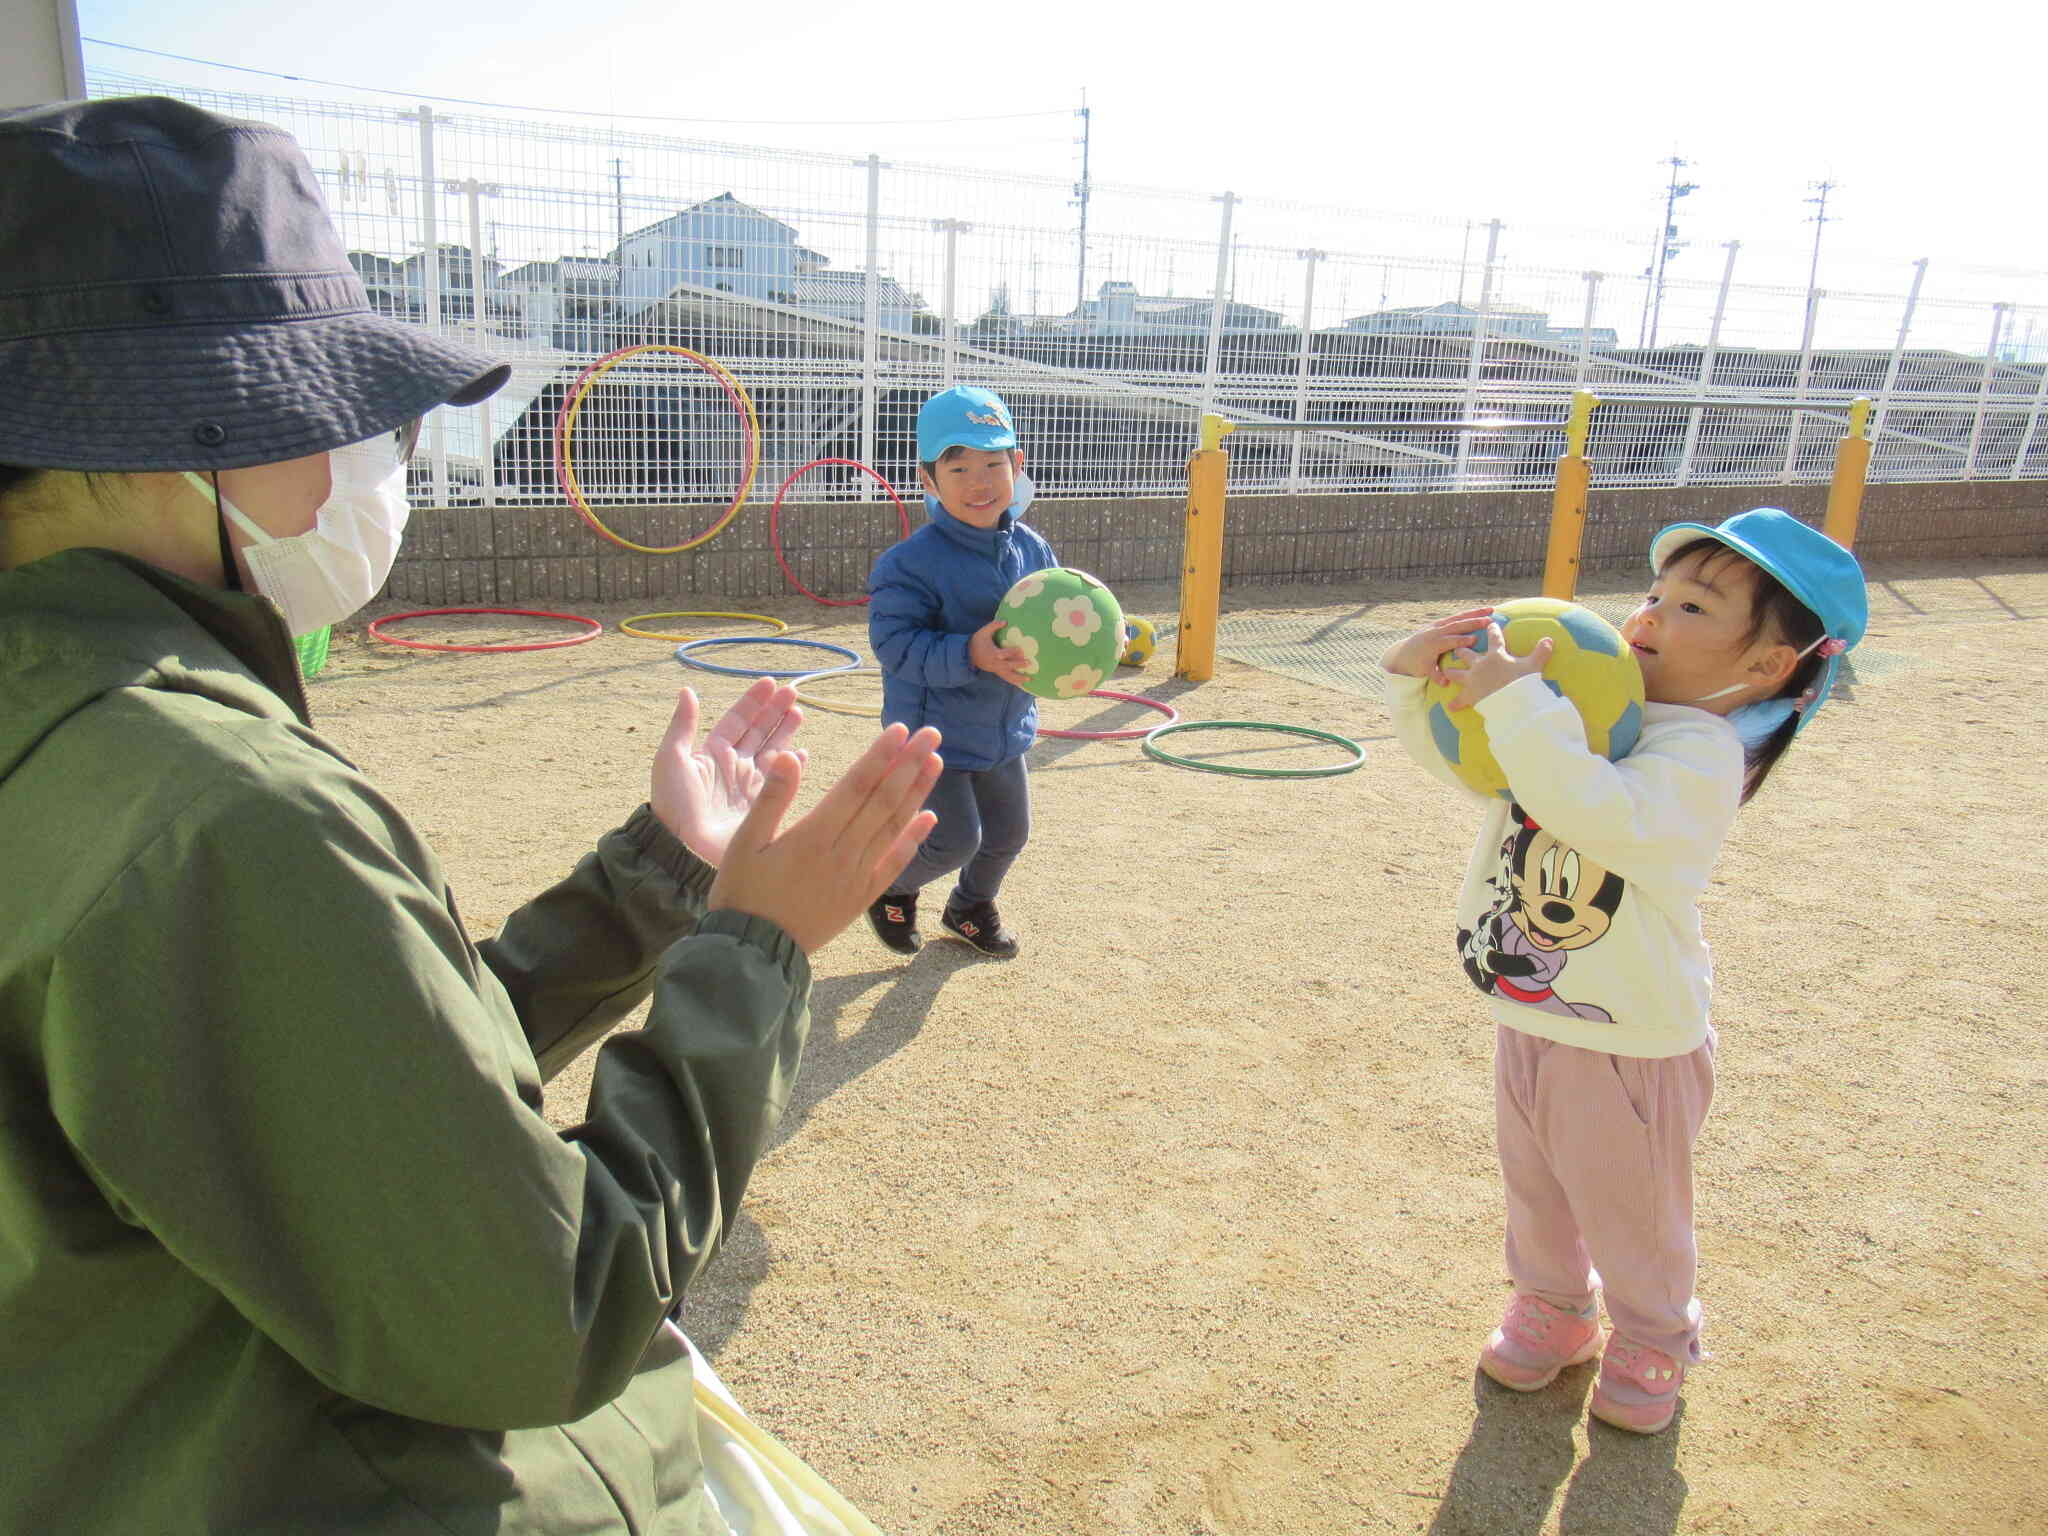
column 285, row 1242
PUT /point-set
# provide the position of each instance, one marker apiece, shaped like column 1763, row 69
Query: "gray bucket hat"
column 173, row 295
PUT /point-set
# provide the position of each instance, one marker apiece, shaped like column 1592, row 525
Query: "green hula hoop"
column 1153, row 750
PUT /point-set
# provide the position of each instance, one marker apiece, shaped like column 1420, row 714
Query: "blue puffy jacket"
column 927, row 597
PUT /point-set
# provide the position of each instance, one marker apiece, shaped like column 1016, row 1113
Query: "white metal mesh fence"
column 838, row 290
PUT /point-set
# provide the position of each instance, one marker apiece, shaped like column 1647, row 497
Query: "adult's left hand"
column 702, row 793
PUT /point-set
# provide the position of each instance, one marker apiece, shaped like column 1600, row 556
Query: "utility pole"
column 1081, row 192
column 1668, row 243
column 1819, row 221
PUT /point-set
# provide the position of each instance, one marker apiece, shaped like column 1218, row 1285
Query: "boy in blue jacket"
column 932, row 623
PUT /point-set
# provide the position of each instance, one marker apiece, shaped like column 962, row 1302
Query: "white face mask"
column 322, row 576
column 1755, row 722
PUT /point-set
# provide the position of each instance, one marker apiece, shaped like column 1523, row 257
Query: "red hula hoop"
column 573, row 495
column 1172, row 717
column 775, row 525
column 377, row 630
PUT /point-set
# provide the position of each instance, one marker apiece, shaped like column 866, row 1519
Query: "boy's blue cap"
column 1813, row 567
column 963, row 417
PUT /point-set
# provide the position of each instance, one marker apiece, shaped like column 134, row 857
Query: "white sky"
column 1543, row 117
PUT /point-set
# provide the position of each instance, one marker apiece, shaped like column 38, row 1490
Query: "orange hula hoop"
column 565, row 439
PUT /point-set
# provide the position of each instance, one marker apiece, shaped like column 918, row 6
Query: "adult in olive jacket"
column 286, row 1244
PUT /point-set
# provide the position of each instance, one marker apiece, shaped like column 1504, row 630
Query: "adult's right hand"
column 822, row 872
column 1006, row 661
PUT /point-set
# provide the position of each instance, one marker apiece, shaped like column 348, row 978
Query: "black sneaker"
column 980, row 925
column 894, row 919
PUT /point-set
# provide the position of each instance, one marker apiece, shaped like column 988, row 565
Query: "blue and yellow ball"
column 1590, row 665
column 1069, row 625
column 1139, row 642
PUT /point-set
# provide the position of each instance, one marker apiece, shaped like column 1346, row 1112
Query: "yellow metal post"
column 1852, row 465
column 1568, row 502
column 1201, row 574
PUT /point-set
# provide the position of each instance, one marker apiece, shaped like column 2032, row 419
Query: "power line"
column 633, row 117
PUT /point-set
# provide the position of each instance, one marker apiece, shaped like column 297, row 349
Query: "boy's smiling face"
column 976, row 485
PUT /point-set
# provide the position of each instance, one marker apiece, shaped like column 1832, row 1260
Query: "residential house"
column 384, row 281
column 1455, row 319
column 570, row 302
column 455, row 280
column 841, row 294
column 720, row 244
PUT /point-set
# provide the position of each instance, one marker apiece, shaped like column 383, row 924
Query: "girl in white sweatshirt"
column 1579, row 919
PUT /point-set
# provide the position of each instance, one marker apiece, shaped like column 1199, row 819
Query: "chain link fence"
column 839, row 290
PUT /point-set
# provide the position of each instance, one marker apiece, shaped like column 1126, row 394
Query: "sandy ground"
column 1187, row 1220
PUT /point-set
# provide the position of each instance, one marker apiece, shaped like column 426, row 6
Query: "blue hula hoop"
column 683, row 655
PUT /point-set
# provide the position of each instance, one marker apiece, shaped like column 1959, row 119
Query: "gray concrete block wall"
column 534, row 556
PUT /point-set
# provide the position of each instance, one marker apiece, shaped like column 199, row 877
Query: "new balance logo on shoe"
column 895, row 923
column 981, row 926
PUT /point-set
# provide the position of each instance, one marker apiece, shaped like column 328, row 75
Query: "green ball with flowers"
column 1070, row 627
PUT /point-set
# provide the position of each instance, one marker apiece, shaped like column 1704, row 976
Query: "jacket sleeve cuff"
column 761, row 934
column 651, row 845
column 1519, row 702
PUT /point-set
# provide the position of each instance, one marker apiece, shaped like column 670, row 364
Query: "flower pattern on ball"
column 1075, row 619
column 1077, row 681
column 1026, row 588
column 1014, row 639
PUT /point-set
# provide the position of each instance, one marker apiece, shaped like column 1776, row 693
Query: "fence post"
column 1216, row 305
column 1852, row 467
column 1998, row 312
column 1568, row 502
column 430, row 289
column 952, row 229
column 1301, row 366
column 871, row 324
column 1692, row 425
column 1201, row 573
column 1813, row 298
column 1475, row 361
column 487, row 458
column 2019, row 459
column 1891, row 371
column 1586, row 330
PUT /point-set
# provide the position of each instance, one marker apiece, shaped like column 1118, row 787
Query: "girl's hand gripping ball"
column 1590, row 665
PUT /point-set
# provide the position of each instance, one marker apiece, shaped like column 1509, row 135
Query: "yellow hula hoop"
column 866, row 713
column 565, row 443
column 626, row 625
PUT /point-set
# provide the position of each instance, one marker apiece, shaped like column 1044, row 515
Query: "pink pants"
column 1596, row 1153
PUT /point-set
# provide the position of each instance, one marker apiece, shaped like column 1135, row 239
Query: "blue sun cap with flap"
column 1813, row 568
column 963, row 417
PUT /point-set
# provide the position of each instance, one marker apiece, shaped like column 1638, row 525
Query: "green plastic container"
column 313, row 651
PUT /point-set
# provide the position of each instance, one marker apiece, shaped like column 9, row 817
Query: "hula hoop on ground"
column 565, row 439
column 866, row 712
column 626, row 625
column 683, row 655
column 1131, row 734
column 377, row 630
column 775, row 524
column 1152, row 750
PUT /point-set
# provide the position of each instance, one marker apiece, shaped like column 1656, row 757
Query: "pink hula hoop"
column 1172, row 715
column 775, row 525
column 377, row 631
